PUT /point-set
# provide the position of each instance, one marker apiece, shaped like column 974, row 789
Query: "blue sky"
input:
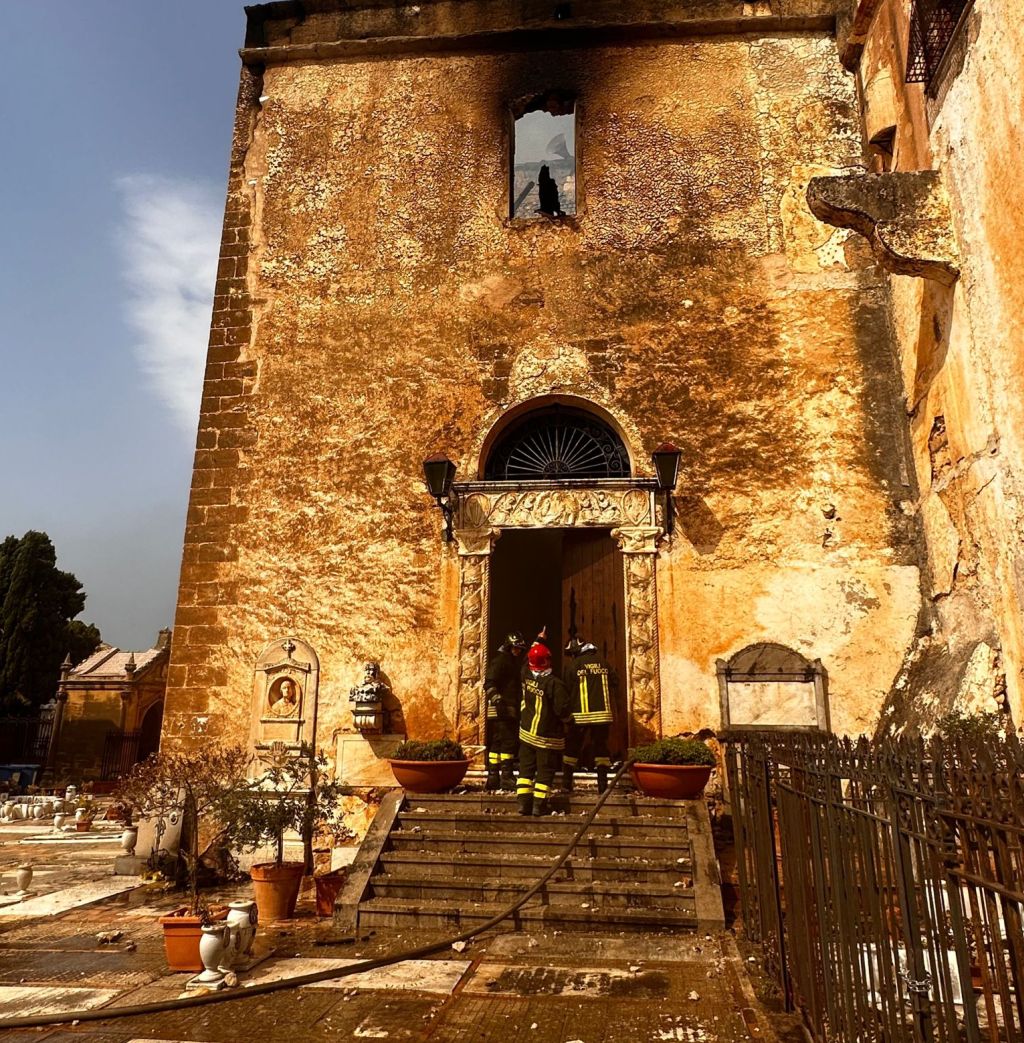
column 116, row 119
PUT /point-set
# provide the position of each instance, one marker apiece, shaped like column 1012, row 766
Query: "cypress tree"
column 38, row 603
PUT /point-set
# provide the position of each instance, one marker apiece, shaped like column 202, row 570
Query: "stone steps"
column 507, row 823
column 492, row 866
column 456, row 842
column 574, row 893
column 453, row 861
column 420, row 913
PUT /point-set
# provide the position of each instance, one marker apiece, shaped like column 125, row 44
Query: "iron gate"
column 884, row 882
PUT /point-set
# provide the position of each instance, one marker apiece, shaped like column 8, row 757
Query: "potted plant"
column 294, row 793
column 429, row 767
column 676, row 769
column 197, row 785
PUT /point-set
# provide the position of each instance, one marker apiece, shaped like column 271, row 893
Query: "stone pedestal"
column 362, row 759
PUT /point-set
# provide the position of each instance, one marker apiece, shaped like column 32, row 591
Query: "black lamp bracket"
column 448, row 505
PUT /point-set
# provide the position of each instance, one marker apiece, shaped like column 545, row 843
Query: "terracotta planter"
column 276, row 888
column 182, row 935
column 83, row 825
column 327, row 888
column 429, row 776
column 671, row 781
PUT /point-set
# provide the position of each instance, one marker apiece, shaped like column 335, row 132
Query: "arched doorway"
column 149, row 730
column 556, row 562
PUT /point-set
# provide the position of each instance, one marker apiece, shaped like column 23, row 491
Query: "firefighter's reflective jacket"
column 546, row 706
column 590, row 688
column 502, row 685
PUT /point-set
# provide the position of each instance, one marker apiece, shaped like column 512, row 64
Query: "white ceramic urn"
column 211, row 952
column 24, row 877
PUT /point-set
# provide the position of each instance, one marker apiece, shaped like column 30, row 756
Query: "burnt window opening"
column 543, row 176
column 556, row 444
column 933, row 24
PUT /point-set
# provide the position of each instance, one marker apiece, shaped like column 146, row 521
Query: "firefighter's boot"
column 567, row 781
column 540, row 799
column 602, row 778
column 525, row 803
column 508, row 780
column 540, row 807
column 493, row 782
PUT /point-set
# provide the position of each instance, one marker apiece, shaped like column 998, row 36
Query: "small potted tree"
column 199, row 786
column 676, row 769
column 294, row 793
column 429, row 767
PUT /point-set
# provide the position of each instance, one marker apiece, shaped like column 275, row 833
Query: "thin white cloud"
column 169, row 238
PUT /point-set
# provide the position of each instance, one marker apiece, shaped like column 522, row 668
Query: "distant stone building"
column 382, row 298
column 109, row 711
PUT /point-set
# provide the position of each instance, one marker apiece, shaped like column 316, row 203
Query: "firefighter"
column 503, row 688
column 589, row 682
column 545, row 710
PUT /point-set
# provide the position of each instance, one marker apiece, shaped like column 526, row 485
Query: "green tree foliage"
column 38, row 603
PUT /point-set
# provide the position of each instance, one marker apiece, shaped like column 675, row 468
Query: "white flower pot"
column 70, row 793
column 24, row 877
column 81, row 814
column 59, row 820
column 129, row 838
column 37, row 811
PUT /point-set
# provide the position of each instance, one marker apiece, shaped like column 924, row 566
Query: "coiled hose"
column 261, row 989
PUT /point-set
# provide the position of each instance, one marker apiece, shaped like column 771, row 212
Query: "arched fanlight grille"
column 558, row 444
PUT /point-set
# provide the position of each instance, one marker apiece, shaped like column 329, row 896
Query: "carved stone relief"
column 639, row 548
column 285, row 695
column 555, row 508
column 475, row 546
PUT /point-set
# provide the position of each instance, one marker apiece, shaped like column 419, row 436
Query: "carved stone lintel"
column 554, row 508
column 905, row 216
column 638, row 539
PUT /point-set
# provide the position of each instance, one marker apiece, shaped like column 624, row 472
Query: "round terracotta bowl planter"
column 276, row 889
column 181, row 941
column 429, row 776
column 671, row 781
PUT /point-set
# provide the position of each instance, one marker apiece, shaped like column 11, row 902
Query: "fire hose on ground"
column 263, row 988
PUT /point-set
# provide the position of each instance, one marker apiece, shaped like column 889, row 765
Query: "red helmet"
column 539, row 657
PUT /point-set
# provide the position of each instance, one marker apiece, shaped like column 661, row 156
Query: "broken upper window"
column 543, row 181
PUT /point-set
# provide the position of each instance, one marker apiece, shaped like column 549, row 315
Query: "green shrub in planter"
column 675, row 751
column 434, row 750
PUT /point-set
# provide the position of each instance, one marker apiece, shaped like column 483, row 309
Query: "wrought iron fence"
column 120, row 753
column 25, row 740
column 885, row 882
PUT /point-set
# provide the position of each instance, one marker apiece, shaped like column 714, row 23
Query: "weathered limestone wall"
column 376, row 305
column 962, row 356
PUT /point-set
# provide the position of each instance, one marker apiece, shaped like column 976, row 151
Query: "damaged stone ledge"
column 905, row 216
column 559, row 35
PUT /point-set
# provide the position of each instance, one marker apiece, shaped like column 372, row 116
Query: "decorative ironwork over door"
column 556, row 444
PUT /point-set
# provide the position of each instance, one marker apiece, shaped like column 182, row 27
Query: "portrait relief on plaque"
column 284, row 703
column 283, row 700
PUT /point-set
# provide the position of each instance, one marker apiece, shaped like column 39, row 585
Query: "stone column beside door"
column 639, row 545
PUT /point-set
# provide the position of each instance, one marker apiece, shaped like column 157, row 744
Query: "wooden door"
column 593, row 603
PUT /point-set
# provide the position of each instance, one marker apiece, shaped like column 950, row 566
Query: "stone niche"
column 285, row 696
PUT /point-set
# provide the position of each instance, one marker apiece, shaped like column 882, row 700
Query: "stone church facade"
column 376, row 305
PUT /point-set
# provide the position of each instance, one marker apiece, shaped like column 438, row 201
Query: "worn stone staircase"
column 455, row 860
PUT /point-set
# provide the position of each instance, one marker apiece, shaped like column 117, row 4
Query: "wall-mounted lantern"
column 367, row 699
column 666, row 469
column 439, row 473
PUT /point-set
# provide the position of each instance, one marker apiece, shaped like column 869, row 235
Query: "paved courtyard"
column 504, row 986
